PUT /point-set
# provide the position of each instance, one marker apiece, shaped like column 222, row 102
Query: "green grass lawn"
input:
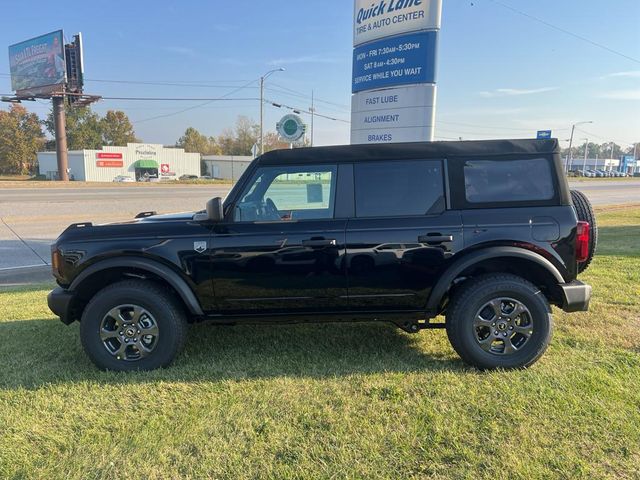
column 332, row 401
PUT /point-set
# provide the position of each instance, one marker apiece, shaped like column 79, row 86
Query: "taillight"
column 583, row 233
column 56, row 260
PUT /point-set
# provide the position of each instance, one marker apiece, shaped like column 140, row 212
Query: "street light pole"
column 573, row 129
column 262, row 79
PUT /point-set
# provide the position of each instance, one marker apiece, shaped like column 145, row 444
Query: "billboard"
column 38, row 65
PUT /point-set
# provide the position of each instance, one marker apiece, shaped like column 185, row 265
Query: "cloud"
column 511, row 92
column 630, row 74
column 621, row 95
column 184, row 51
column 303, row 59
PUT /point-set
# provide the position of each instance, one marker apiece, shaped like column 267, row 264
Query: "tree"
column 607, row 152
column 272, row 141
column 117, row 129
column 240, row 140
column 195, row 142
column 20, row 139
column 84, row 128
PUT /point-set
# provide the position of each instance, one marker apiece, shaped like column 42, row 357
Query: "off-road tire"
column 158, row 301
column 472, row 295
column 585, row 213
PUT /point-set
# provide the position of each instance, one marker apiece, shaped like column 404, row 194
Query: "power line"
column 181, row 99
column 327, row 105
column 199, row 84
column 303, row 95
column 305, row 111
column 195, row 106
column 565, row 31
column 602, row 138
column 495, row 127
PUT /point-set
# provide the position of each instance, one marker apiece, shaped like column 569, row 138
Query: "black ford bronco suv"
column 485, row 233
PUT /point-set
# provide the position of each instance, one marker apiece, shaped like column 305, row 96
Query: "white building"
column 595, row 164
column 136, row 160
column 227, row 167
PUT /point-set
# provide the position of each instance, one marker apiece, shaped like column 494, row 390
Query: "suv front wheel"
column 499, row 321
column 133, row 325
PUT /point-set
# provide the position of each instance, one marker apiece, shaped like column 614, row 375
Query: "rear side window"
column 399, row 188
column 497, row 181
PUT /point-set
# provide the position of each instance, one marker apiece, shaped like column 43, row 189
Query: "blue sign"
column 628, row 161
column 399, row 60
column 544, row 134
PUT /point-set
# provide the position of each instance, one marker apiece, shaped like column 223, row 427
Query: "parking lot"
column 32, row 217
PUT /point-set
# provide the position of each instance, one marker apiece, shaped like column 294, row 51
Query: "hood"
column 144, row 225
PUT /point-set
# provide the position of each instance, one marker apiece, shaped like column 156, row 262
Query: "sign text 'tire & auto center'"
column 394, row 70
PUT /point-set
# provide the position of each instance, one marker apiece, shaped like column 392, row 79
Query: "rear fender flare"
column 446, row 279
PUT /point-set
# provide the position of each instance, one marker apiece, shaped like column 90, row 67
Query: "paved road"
column 31, row 218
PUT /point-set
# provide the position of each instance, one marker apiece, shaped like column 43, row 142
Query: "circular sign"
column 165, row 168
column 291, row 128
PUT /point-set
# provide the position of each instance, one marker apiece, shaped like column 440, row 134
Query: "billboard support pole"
column 59, row 121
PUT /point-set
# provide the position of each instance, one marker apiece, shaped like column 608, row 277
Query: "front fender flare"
column 178, row 283
column 446, row 279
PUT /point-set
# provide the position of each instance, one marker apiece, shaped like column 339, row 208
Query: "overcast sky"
column 500, row 73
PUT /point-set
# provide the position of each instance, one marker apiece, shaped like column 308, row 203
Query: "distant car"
column 205, row 177
column 188, row 177
column 123, row 179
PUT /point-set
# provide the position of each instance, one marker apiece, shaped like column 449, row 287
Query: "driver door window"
column 288, row 194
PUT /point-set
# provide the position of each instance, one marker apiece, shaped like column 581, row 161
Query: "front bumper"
column 59, row 301
column 575, row 296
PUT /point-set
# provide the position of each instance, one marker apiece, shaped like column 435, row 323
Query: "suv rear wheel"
column 499, row 321
column 133, row 325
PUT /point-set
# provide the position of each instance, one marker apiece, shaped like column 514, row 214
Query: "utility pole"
column 573, row 129
column 313, row 110
column 611, row 156
column 59, row 120
column 262, row 79
column 586, row 150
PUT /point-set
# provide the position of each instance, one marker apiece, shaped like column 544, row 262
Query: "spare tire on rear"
column 586, row 214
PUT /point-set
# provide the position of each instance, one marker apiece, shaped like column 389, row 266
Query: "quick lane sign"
column 400, row 60
column 393, row 114
column 394, row 70
column 383, row 18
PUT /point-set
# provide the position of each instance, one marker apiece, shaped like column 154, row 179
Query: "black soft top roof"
column 355, row 153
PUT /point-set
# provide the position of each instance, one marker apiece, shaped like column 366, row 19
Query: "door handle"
column 319, row 242
column 435, row 238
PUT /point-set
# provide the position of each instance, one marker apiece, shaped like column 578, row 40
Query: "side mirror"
column 215, row 212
